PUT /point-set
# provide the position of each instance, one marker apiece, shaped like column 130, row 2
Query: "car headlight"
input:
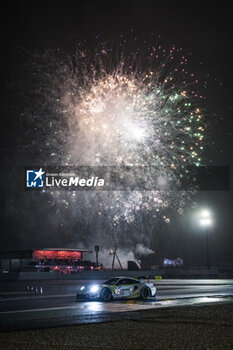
column 94, row 289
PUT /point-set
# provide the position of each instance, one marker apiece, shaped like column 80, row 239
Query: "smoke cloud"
column 142, row 250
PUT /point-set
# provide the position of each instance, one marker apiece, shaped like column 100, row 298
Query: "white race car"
column 118, row 288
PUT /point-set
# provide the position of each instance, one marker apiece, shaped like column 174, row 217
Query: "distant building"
column 49, row 259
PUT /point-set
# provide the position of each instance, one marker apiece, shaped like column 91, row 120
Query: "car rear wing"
column 146, row 278
column 150, row 277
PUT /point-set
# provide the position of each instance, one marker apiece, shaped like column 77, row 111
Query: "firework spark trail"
column 134, row 112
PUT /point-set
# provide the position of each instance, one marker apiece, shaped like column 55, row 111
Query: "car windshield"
column 111, row 281
column 127, row 281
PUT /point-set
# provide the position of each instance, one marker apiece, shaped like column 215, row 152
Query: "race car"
column 118, row 288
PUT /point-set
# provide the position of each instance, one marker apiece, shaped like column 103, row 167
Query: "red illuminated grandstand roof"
column 69, row 249
column 59, row 253
column 45, row 253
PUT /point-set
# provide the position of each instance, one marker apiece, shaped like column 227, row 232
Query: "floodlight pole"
column 206, row 220
column 207, row 249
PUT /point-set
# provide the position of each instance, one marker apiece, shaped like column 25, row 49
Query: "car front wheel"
column 145, row 293
column 105, row 294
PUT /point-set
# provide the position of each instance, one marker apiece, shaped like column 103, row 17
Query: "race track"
column 58, row 306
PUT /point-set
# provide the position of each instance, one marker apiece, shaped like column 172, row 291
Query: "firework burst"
column 120, row 110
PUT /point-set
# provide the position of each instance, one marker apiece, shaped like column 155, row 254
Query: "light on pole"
column 206, row 221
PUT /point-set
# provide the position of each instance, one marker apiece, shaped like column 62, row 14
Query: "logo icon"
column 35, row 178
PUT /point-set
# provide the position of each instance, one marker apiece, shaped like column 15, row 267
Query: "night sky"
column 203, row 30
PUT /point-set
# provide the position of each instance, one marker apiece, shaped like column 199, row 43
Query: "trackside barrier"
column 104, row 275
